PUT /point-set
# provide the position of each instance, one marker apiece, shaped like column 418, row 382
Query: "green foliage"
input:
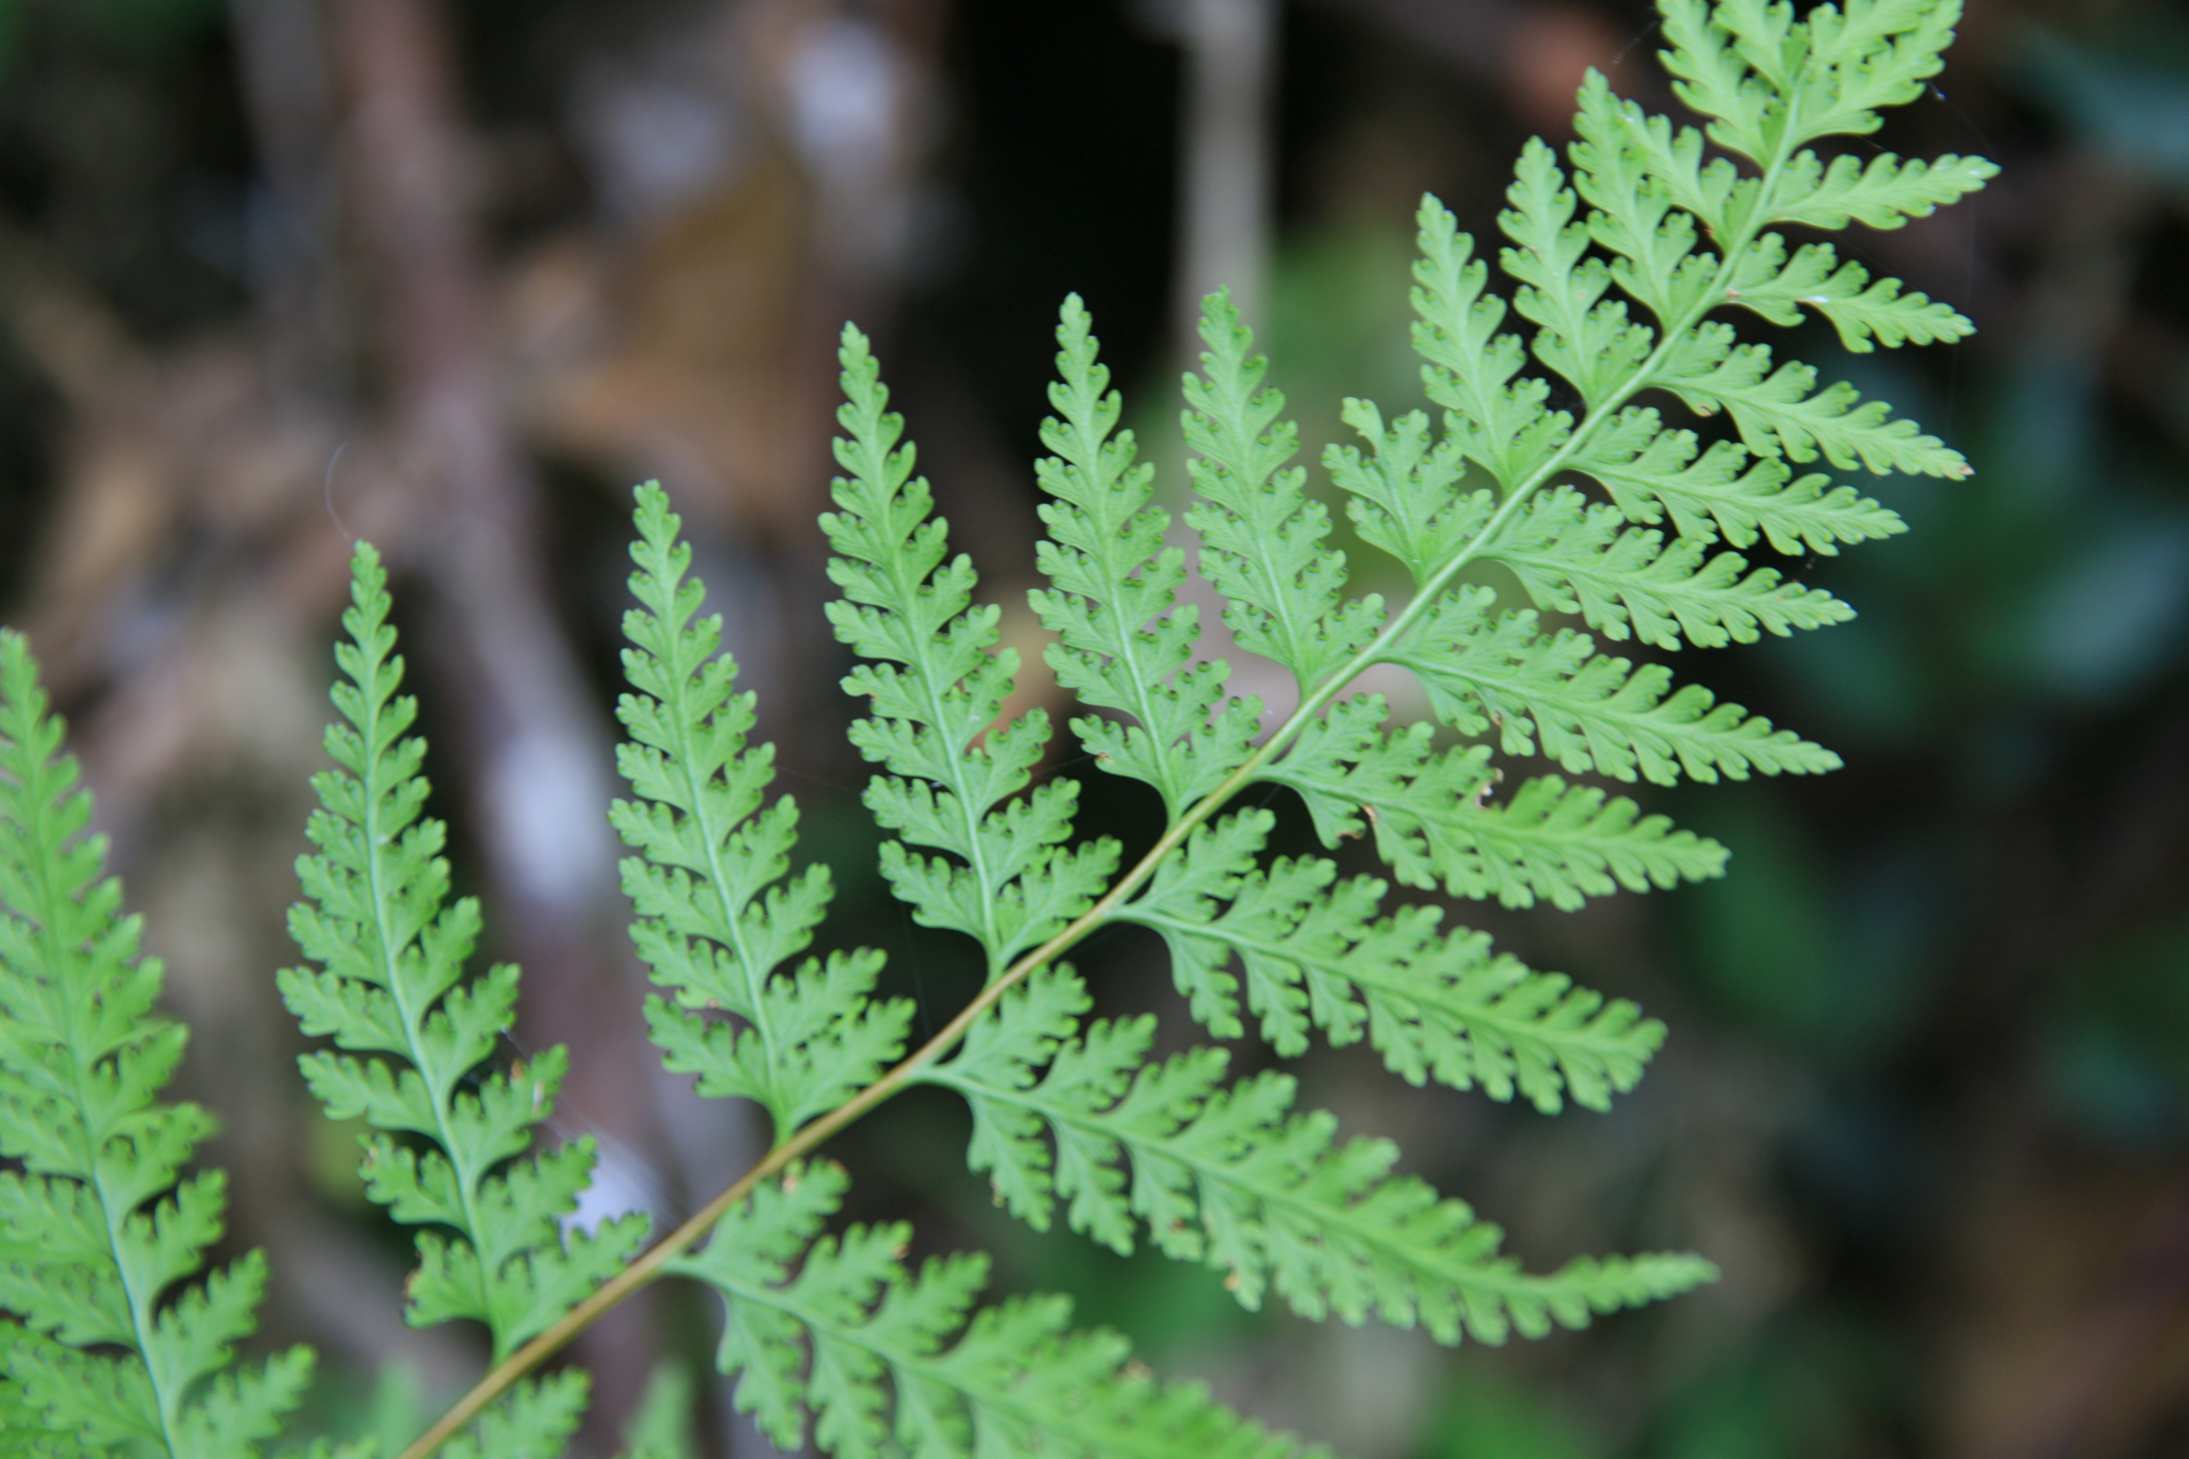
column 1124, row 641
column 1621, row 253
column 386, row 983
column 1311, row 949
column 126, row 1343
column 937, row 684
column 1436, row 821
column 1543, row 508
column 889, row 1360
column 1261, row 534
column 1234, row 1176
column 715, row 918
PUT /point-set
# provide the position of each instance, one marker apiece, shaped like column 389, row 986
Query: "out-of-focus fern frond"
column 126, row 1345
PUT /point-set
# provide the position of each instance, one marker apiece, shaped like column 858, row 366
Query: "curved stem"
column 812, row 1136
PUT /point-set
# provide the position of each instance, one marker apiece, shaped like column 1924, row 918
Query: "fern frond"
column 937, row 683
column 1315, row 950
column 1585, row 710
column 1884, row 193
column 1234, row 1177
column 1263, row 538
column 1498, row 417
column 888, row 1360
column 1779, row 410
column 1867, row 312
column 1124, row 642
column 386, row 983
column 1437, row 822
column 534, row 1420
column 716, row 918
column 1679, row 234
column 1574, row 556
column 1654, row 474
column 105, row 1236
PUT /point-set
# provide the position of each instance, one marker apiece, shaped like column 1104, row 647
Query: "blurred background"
column 275, row 274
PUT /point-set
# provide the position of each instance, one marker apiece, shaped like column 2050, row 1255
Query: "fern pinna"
column 123, row 1343
column 1603, row 432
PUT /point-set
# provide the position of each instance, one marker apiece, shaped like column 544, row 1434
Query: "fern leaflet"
column 1262, row 536
column 1235, row 1177
column 887, row 1360
column 386, row 984
column 105, row 1236
column 1123, row 639
column 937, row 683
column 714, row 919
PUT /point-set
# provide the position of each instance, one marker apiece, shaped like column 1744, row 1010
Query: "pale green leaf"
column 1438, row 821
column 936, row 683
column 1234, row 1177
column 1124, row 641
column 117, row 1339
column 1553, row 693
column 390, row 983
column 719, row 913
column 1262, row 537
column 837, row 1338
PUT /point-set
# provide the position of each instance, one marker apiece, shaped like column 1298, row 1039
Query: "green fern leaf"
column 387, row 986
column 1623, row 251
column 1232, row 1176
column 1711, row 76
column 715, row 917
column 1262, row 537
column 1653, row 474
column 1779, row 411
column 1124, row 641
column 1862, row 57
column 24, row 1430
column 1313, row 950
column 105, row 1236
column 1587, row 711
column 1573, row 556
column 888, row 1360
column 534, row 1420
column 1497, row 416
column 1581, row 334
column 1867, row 312
column 1408, row 496
column 1884, row 192
column 1436, row 822
column 937, row 684
column 1663, row 164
